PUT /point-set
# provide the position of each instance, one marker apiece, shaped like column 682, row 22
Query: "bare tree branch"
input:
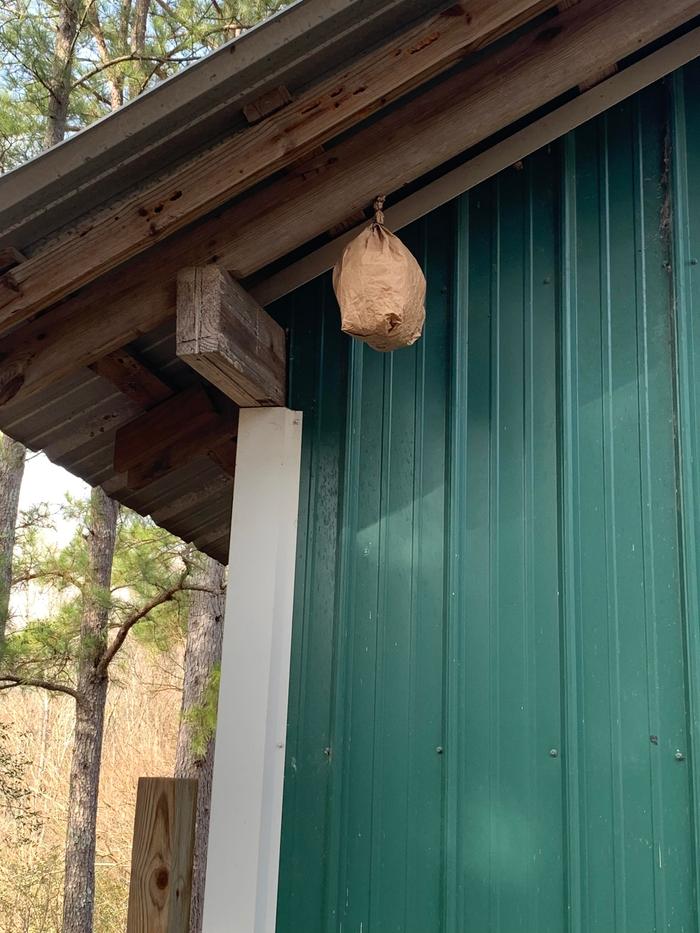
column 132, row 57
column 7, row 681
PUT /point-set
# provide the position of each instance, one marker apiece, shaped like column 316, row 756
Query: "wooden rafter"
column 132, row 378
column 131, row 225
column 170, row 435
column 467, row 107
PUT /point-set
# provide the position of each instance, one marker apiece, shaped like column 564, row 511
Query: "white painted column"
column 246, row 808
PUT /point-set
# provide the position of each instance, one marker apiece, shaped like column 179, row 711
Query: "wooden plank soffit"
column 224, row 334
column 112, row 235
column 169, row 436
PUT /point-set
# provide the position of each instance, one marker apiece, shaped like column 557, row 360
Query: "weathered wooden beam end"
column 228, row 338
column 161, row 860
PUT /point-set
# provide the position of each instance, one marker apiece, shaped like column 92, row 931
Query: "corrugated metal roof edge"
column 190, row 110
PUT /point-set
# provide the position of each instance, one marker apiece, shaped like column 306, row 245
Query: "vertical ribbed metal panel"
column 504, row 792
column 684, row 166
column 494, row 705
column 627, row 819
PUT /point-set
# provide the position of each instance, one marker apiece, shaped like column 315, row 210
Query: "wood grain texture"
column 161, row 861
column 224, row 334
column 161, row 427
column 171, row 435
column 132, row 378
column 81, row 331
column 103, row 240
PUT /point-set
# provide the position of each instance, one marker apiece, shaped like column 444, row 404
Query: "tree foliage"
column 150, row 580
column 120, row 49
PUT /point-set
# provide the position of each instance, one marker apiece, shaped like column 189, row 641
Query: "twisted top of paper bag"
column 379, row 208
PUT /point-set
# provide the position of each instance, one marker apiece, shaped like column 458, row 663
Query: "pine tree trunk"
column 12, row 456
column 62, row 70
column 79, row 886
column 202, row 655
column 137, row 42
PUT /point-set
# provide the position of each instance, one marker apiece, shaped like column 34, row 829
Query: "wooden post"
column 161, row 858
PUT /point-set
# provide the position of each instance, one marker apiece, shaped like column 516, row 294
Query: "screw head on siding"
column 679, row 756
column 439, row 750
column 554, row 753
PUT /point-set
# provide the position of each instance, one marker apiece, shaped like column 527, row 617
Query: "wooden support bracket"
column 225, row 335
column 161, row 859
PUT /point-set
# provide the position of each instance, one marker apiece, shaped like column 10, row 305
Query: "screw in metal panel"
column 554, row 753
column 327, row 752
column 679, row 756
column 439, row 749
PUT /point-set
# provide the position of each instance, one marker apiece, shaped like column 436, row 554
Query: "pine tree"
column 116, row 575
column 66, row 63
column 12, row 456
column 200, row 691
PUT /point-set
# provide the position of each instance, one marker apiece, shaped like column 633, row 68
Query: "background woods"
column 109, row 610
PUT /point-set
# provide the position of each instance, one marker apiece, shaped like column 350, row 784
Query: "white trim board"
column 246, row 809
column 500, row 156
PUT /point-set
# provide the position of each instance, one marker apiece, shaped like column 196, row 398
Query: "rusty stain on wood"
column 161, row 861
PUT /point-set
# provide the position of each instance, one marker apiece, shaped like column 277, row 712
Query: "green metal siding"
column 496, row 645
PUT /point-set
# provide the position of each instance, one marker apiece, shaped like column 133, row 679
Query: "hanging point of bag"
column 380, row 288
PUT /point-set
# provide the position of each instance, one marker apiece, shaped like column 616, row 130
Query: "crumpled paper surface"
column 380, row 289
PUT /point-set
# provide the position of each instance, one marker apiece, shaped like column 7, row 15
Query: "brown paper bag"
column 380, row 289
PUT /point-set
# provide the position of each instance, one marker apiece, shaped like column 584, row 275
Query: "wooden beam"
column 9, row 258
column 169, row 436
column 160, row 888
column 395, row 149
column 442, row 123
column 495, row 159
column 162, row 426
column 269, row 103
column 107, row 238
column 229, row 339
column 132, row 378
column 80, row 332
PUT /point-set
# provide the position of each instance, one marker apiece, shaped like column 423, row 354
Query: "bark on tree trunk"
column 12, row 456
column 79, row 887
column 61, row 76
column 202, row 655
column 137, row 42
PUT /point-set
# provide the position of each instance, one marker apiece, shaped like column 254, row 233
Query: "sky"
column 45, row 482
